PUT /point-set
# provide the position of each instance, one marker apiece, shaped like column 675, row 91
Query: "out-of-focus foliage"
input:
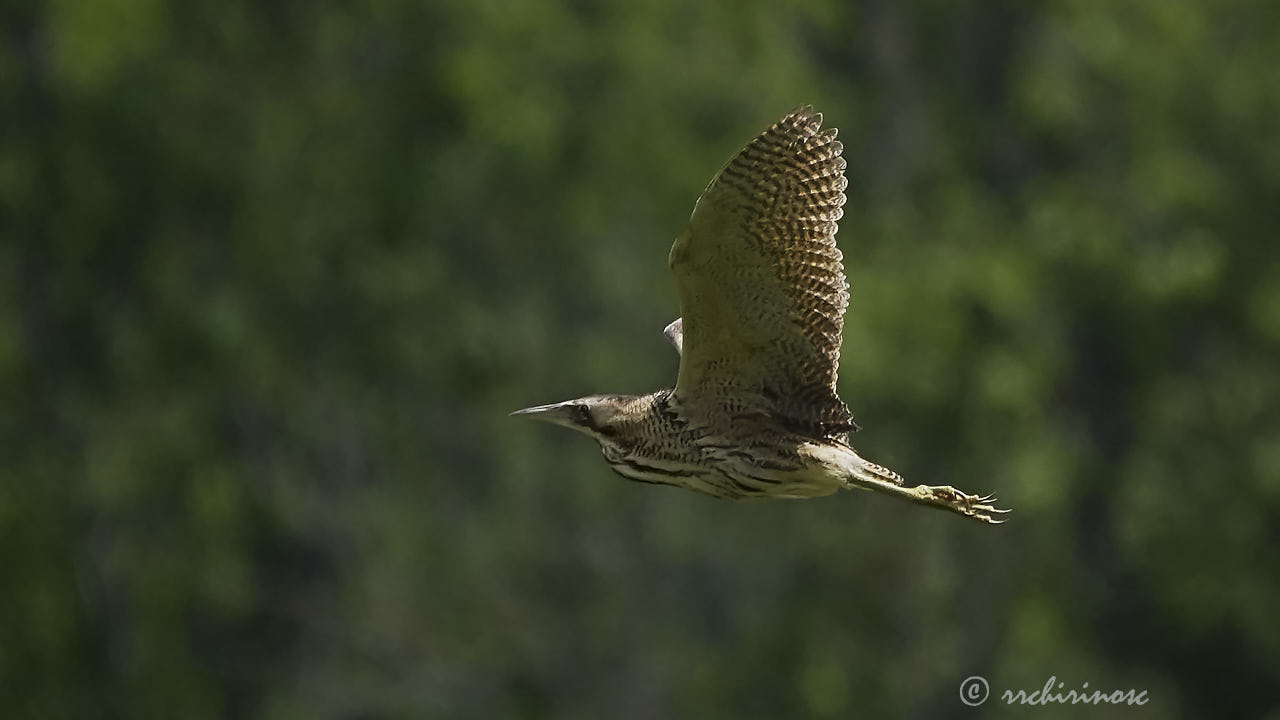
column 273, row 273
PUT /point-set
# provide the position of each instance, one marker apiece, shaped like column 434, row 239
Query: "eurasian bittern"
column 754, row 412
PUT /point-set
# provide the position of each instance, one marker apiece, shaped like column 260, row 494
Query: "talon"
column 978, row 507
column 982, row 508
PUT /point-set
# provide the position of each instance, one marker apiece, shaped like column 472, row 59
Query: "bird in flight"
column 754, row 412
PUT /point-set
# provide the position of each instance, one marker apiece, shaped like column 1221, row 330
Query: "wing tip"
column 675, row 334
column 808, row 122
column 804, row 116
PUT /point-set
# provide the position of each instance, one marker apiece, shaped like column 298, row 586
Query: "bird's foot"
column 974, row 506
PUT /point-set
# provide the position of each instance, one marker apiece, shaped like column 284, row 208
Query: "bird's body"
column 762, row 291
column 655, row 440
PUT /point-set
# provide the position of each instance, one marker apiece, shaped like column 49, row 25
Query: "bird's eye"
column 584, row 414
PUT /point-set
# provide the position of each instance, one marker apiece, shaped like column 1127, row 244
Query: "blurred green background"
column 273, row 273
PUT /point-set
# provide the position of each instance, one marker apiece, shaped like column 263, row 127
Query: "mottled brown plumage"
column 762, row 288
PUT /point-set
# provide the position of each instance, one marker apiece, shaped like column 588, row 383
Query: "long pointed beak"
column 557, row 413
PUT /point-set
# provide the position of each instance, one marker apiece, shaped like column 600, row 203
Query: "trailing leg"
column 880, row 479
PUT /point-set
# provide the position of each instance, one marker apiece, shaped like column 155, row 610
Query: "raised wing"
column 762, row 287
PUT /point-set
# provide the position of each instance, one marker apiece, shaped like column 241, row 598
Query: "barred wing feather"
column 761, row 281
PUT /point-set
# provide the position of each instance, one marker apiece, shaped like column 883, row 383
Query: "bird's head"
column 600, row 416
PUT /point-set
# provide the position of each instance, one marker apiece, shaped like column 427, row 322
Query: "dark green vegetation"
column 272, row 275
